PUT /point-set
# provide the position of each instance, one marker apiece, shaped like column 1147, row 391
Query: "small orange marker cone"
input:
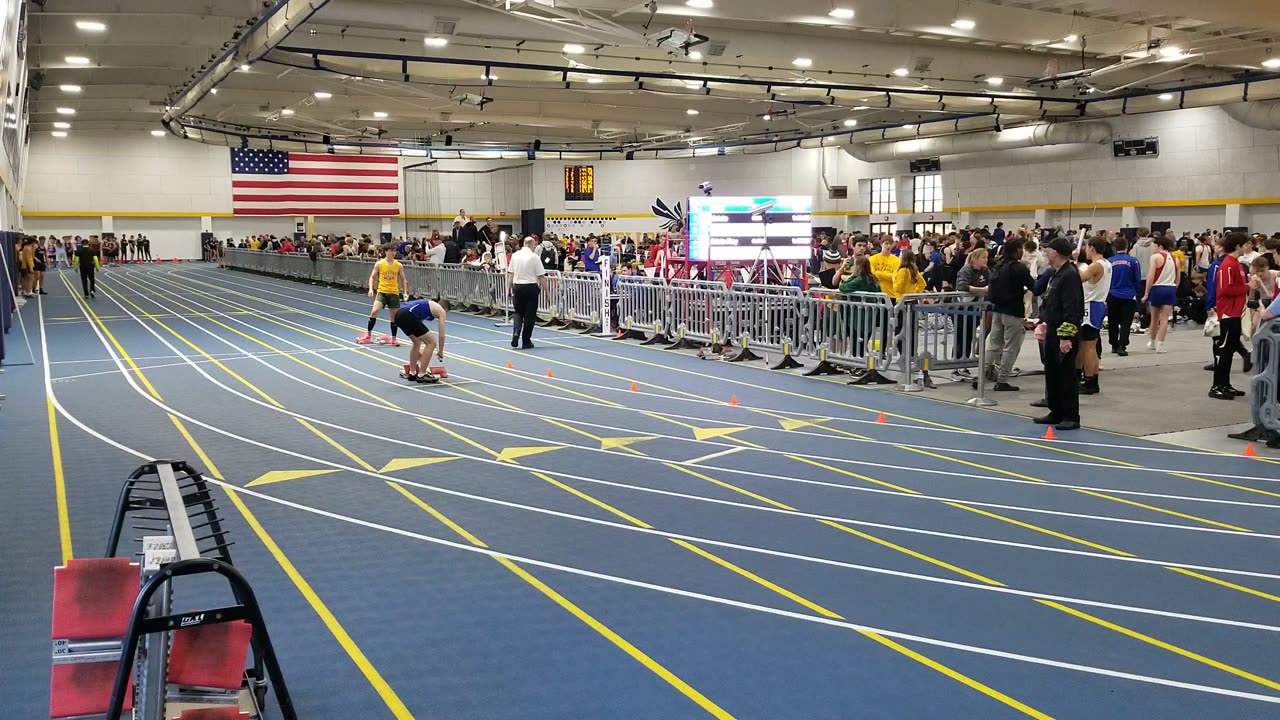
column 1048, row 434
column 1249, row 452
column 882, row 420
column 175, row 260
column 509, row 365
column 634, row 388
column 549, row 373
column 733, row 400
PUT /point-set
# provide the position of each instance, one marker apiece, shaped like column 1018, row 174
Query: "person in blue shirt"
column 1122, row 300
column 591, row 255
column 402, row 249
column 998, row 235
column 412, row 318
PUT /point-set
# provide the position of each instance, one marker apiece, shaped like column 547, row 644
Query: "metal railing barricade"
column 644, row 306
column 936, row 331
column 579, row 300
column 772, row 318
column 849, row 330
column 1265, row 386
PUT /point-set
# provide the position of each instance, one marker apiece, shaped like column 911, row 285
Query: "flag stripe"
column 354, row 172
column 314, row 211
column 316, row 184
column 319, row 157
column 362, row 199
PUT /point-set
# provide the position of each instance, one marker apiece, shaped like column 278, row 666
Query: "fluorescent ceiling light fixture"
column 908, row 127
column 244, row 68
column 77, row 60
column 1169, row 51
column 850, row 123
column 594, row 81
column 700, row 4
column 379, row 114
column 158, row 133
column 488, row 77
column 213, row 91
column 1271, row 63
column 694, row 55
column 902, row 72
column 861, row 107
column 90, row 25
column 66, row 111
column 996, row 81
column 321, row 95
column 1071, row 38
column 62, row 125
column 963, row 24
column 69, row 88
column 766, row 117
column 59, row 133
column 572, row 49
column 802, row 62
column 287, row 111
column 690, row 111
column 437, row 42
column 1166, row 96
column 842, row 13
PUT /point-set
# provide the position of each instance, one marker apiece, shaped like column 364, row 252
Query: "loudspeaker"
column 537, row 144
column 448, row 140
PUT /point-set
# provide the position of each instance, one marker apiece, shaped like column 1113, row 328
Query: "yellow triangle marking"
column 795, row 423
column 512, row 453
column 617, row 442
column 276, row 476
column 406, row 463
column 713, row 432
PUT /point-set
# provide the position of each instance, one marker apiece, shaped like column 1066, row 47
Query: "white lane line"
column 715, row 455
column 504, row 503
column 826, row 437
column 1106, row 672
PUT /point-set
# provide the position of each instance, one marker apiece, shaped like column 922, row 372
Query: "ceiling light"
column 1071, row 38
column 842, row 14
column 802, row 62
column 694, row 55
column 850, row 123
column 690, row 111
column 995, row 81
column 908, row 127
column 158, row 133
column 861, row 107
column 594, row 81
column 66, row 111
column 1271, row 63
column 1170, row 51
column 244, row 68
column 287, row 111
column 488, row 76
column 962, row 24
column 77, row 60
column 766, row 117
column 322, row 95
column 379, row 114
column 1166, row 96
column 573, row 49
column 902, row 72
column 90, row 26
column 213, row 91
column 69, row 88
column 59, row 133
column 700, row 4
column 62, row 125
column 437, row 42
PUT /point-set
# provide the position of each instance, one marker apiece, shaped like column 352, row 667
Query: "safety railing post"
column 984, row 323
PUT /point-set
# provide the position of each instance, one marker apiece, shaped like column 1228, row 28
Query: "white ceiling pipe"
column 1020, row 137
column 1261, row 115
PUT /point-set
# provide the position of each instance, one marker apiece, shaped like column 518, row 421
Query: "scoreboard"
column 579, row 182
column 725, row 229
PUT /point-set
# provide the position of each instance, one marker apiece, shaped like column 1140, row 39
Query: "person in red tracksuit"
column 1232, row 289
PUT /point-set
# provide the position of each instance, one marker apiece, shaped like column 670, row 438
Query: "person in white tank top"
column 1095, row 275
column 1162, row 292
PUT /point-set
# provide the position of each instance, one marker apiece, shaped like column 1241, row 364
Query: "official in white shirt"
column 435, row 252
column 527, row 277
column 462, row 218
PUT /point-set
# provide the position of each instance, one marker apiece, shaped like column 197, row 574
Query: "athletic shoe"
column 1090, row 386
column 1046, row 420
column 384, row 340
column 1208, row 366
column 1122, row 352
column 395, row 342
column 410, row 378
column 1004, row 387
column 1067, row 425
column 93, row 294
column 527, row 346
column 364, row 339
column 1218, row 393
column 428, row 379
column 1232, row 391
column 42, row 292
column 1160, row 348
column 1151, row 344
column 1041, row 403
column 515, row 342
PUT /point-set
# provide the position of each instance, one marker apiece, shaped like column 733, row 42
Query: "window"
column 927, row 196
column 878, row 229
column 884, row 196
column 938, row 228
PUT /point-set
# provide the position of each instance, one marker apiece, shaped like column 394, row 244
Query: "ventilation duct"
column 1261, row 115
column 1019, row 137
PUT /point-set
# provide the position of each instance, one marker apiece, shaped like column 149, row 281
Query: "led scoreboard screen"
column 579, row 182
column 738, row 228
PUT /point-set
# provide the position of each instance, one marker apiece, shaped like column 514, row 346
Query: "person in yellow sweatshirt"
column 907, row 279
column 884, row 265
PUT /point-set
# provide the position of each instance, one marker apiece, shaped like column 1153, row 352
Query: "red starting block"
column 78, row 690
column 438, row 371
column 220, row 713
column 210, row 656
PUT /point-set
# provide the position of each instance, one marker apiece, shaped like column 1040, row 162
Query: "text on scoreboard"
column 738, row 228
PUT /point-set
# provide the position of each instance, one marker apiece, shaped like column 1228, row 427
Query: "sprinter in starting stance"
column 387, row 287
column 413, row 316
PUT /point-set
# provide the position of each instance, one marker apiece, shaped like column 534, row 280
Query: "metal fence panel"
column 1265, row 386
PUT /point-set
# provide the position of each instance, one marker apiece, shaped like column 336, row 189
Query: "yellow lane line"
column 1037, row 528
column 1224, row 583
column 918, row 555
column 59, row 484
column 338, row 446
column 852, row 474
column 1165, row 511
column 116, row 343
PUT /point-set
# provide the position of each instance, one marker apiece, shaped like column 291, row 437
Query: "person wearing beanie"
column 1061, row 314
column 831, row 262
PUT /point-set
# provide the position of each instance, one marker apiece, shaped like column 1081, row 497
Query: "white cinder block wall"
column 1211, row 170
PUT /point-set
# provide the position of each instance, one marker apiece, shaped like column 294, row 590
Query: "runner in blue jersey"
column 412, row 318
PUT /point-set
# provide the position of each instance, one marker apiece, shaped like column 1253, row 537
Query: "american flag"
column 275, row 182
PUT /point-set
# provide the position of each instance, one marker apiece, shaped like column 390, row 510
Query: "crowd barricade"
column 848, row 330
column 1265, row 386
column 643, row 306
column 937, row 331
column 579, row 300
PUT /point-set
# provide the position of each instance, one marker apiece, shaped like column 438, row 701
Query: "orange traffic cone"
column 882, row 420
column 508, row 364
column 549, row 373
column 1048, row 434
column 175, row 260
column 634, row 388
column 733, row 400
column 1248, row 451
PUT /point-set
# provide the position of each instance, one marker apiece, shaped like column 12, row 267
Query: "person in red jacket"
column 1232, row 289
column 287, row 246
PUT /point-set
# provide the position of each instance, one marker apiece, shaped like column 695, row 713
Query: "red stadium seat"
column 83, row 689
column 93, row 598
column 210, row 656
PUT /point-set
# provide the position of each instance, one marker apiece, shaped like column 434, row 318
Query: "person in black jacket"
column 86, row 260
column 1010, row 283
column 1061, row 313
column 452, row 256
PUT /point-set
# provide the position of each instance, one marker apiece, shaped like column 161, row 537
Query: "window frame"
column 926, row 193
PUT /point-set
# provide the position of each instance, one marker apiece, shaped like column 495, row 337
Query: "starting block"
column 439, row 371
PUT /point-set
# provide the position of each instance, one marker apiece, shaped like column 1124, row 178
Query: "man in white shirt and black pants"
column 527, row 279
